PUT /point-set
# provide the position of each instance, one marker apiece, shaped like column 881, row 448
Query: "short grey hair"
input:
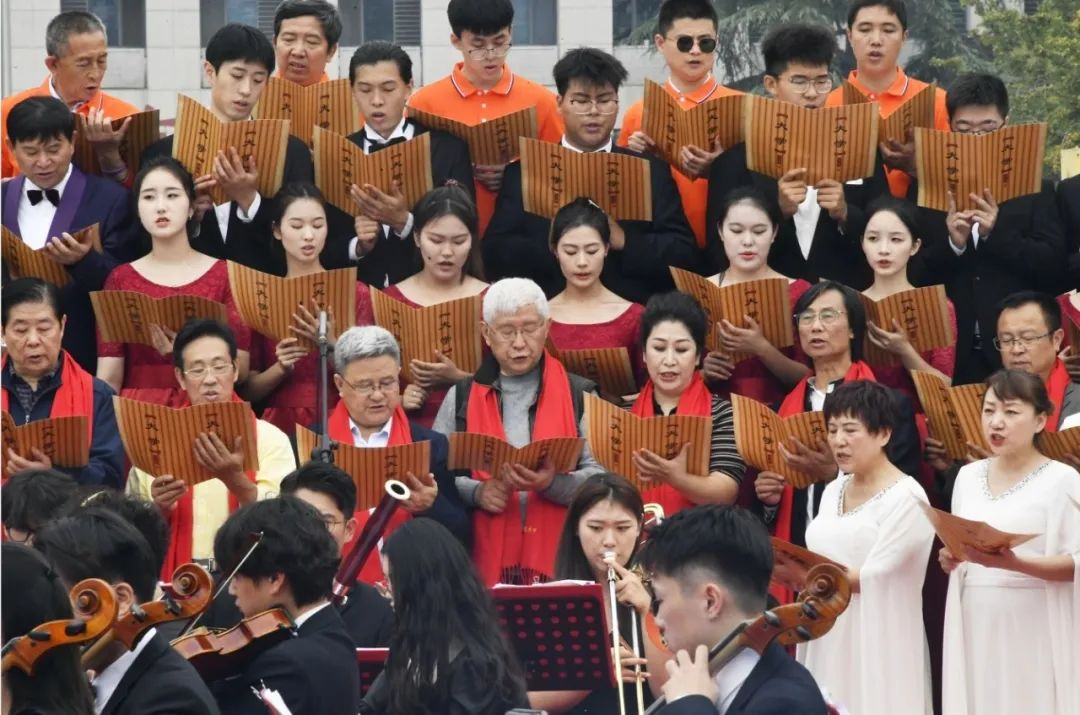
column 368, row 341
column 510, row 295
column 66, row 24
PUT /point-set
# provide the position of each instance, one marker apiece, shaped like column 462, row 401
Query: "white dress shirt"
column 378, row 439
column 404, row 130
column 731, row 677
column 571, row 147
column 806, row 220
column 221, row 212
column 304, row 617
column 35, row 221
column 105, row 683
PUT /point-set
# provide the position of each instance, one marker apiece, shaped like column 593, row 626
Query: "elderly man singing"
column 520, row 394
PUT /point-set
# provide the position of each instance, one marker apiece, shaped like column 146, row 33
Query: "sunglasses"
column 685, row 43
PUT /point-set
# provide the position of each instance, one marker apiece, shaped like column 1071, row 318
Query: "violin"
column 217, row 655
column 95, row 607
column 190, row 594
column 826, row 596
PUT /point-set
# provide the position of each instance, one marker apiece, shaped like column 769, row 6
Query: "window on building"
column 535, row 22
column 629, row 16
column 125, row 20
column 395, row 21
column 215, row 13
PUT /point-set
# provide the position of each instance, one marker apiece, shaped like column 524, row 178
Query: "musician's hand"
column 817, row 461
column 896, row 342
column 289, row 352
column 936, row 456
column 947, row 560
column 830, row 196
column 690, row 676
column 653, row 467
column 628, row 660
column 239, row 179
column 741, row 340
column 617, row 234
column 900, row 155
column 15, row 463
column 203, row 200
column 490, row 176
column 493, row 495
column 791, row 191
column 305, row 323
column 985, row 213
column 696, row 161
column 976, row 453
column 390, row 209
column 958, row 223
column 368, row 232
column 166, row 490
column 640, row 142
column 629, row 590
column 441, row 372
column 422, row 492
column 215, row 456
column 162, row 338
column 520, row 477
column 769, row 487
column 413, row 398
column 66, row 250
column 717, row 367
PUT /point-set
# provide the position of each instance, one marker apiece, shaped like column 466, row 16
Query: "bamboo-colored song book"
column 267, row 303
column 671, row 127
column 484, row 453
column 759, row 431
column 328, row 105
column 64, row 440
column 922, row 312
column 1009, row 162
column 609, row 368
column 1058, row 445
column 22, row 261
column 452, row 328
column 953, row 413
column 791, row 563
column 614, row 435
column 838, row 143
column 553, row 176
column 144, row 130
column 1070, row 163
column 370, row 467
column 767, row 301
column 339, row 164
column 125, row 316
column 160, row 440
column 916, row 111
column 959, row 534
column 200, row 136
column 493, row 142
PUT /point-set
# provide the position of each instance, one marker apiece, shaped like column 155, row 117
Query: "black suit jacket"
column 108, row 204
column 1025, row 251
column 1068, row 199
column 251, row 244
column 160, row 682
column 395, row 258
column 777, row 685
column 835, row 252
column 315, row 672
column 516, row 242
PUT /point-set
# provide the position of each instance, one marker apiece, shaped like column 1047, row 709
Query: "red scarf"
column 696, row 400
column 73, row 398
column 340, row 430
column 1056, row 385
column 501, row 545
column 182, row 517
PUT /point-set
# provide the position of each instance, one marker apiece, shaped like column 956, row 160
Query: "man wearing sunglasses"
column 482, row 87
column 516, row 242
column 687, row 39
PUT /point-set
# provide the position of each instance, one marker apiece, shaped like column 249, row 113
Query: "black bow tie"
column 377, row 144
column 36, row 195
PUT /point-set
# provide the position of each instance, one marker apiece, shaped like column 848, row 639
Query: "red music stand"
column 371, row 662
column 560, row 634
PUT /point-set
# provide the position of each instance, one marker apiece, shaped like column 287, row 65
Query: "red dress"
column 751, row 378
column 295, row 401
column 622, row 331
column 943, row 359
column 148, row 375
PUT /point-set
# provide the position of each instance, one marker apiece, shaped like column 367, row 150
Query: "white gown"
column 875, row 660
column 1010, row 639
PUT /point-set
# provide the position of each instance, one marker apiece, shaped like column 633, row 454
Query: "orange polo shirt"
column 889, row 101
column 114, row 107
column 457, row 98
column 694, row 192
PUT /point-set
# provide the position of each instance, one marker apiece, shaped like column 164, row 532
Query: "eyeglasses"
column 479, row 53
column 827, row 316
column 218, row 369
column 603, row 106
column 980, row 128
column 507, row 332
column 330, row 521
column 1027, row 341
column 802, row 85
column 685, row 43
column 387, row 386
